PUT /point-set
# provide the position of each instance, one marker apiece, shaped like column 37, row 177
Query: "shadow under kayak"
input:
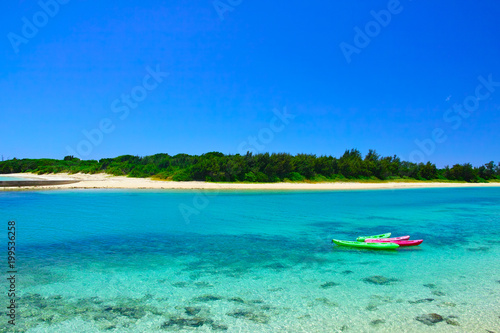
column 362, row 245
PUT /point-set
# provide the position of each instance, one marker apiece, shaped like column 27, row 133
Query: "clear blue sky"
column 226, row 77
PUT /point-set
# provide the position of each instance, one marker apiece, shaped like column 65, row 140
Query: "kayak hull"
column 400, row 242
column 367, row 245
column 362, row 238
column 388, row 239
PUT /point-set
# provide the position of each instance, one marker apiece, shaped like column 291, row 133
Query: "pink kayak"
column 399, row 242
column 386, row 240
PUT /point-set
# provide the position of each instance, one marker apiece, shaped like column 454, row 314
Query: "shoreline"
column 105, row 181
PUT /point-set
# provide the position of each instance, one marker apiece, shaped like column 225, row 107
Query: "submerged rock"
column 135, row 312
column 147, row 297
column 429, row 319
column 207, row 298
column 186, row 322
column 56, row 297
column 104, row 316
column 34, row 300
column 203, row 285
column 451, row 321
column 192, row 310
column 249, row 315
column 219, row 327
column 56, row 309
column 329, row 284
column 31, row 297
column 430, row 285
column 347, row 272
column 379, row 280
column 424, row 300
column 236, row 299
column 46, row 317
column 95, row 300
column 377, row 322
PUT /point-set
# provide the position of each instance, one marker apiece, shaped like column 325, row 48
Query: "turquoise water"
column 146, row 261
column 4, row 178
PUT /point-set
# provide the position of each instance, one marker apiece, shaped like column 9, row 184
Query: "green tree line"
column 276, row 167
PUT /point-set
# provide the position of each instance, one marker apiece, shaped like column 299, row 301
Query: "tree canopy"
column 276, row 167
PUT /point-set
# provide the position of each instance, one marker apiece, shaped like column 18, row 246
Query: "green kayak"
column 362, row 245
column 362, row 238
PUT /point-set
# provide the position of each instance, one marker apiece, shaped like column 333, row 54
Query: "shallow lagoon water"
column 130, row 261
column 5, row 178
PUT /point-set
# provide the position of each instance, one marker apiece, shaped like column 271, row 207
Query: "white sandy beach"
column 105, row 181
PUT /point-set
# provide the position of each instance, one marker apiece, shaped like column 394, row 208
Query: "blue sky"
column 226, row 76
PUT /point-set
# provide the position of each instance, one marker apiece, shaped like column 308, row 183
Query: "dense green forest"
column 217, row 167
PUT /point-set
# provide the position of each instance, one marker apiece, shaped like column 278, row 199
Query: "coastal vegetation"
column 276, row 167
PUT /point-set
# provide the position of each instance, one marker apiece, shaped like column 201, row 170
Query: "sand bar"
column 105, row 181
